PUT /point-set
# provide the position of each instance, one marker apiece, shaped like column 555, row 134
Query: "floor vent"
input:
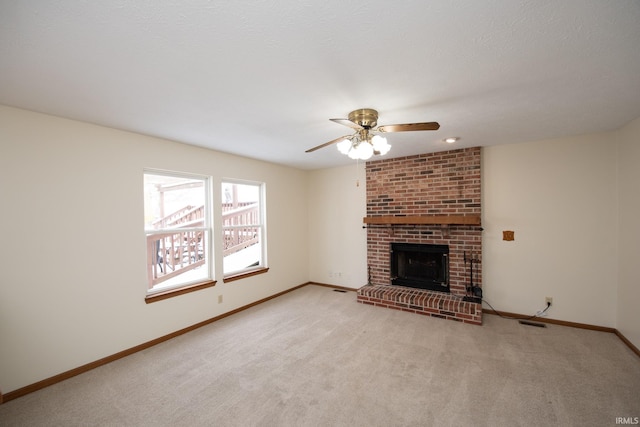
column 340, row 290
column 526, row 322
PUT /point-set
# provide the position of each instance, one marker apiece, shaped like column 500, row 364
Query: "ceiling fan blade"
column 409, row 127
column 348, row 123
column 326, row 144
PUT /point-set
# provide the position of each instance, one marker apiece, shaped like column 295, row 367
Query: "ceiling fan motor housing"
column 365, row 117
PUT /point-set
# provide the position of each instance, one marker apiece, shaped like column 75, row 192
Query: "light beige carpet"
column 315, row 357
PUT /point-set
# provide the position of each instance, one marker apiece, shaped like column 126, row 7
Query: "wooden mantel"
column 424, row 219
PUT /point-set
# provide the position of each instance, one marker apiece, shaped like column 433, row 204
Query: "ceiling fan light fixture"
column 366, row 141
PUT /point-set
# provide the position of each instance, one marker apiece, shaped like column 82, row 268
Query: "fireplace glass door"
column 420, row 266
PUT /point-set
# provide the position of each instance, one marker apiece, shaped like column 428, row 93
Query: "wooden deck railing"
column 239, row 228
column 180, row 217
column 174, row 253
column 226, row 207
column 177, row 251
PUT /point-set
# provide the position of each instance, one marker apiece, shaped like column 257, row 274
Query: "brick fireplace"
column 430, row 199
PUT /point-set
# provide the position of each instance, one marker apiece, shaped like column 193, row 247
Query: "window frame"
column 262, row 267
column 154, row 293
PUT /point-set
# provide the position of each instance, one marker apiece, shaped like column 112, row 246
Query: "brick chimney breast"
column 445, row 183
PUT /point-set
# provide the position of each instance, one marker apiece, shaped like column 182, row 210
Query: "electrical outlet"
column 219, row 299
column 548, row 301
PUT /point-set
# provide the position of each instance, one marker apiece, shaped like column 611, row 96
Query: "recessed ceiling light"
column 451, row 140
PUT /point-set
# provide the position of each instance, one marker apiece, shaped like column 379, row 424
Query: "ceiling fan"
column 366, row 140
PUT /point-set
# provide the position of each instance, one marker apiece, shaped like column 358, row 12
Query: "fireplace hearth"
column 422, row 266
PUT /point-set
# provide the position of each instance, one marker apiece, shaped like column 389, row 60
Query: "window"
column 177, row 227
column 243, row 228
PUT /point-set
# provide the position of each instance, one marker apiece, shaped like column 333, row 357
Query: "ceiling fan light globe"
column 380, row 145
column 344, row 146
column 365, row 150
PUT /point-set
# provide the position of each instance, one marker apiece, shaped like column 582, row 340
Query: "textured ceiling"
column 262, row 78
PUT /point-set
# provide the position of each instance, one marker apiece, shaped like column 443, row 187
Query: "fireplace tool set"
column 474, row 293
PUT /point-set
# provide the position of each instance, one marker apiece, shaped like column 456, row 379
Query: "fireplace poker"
column 473, row 293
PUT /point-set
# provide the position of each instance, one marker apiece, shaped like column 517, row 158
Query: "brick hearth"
column 435, row 304
column 446, row 183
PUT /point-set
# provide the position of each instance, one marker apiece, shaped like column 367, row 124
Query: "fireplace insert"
column 420, row 266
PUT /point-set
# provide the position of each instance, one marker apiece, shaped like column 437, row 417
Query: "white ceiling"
column 261, row 78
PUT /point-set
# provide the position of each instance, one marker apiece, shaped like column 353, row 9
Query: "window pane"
column 238, row 195
column 242, row 227
column 168, row 198
column 177, row 230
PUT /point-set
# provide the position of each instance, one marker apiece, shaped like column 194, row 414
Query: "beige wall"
column 560, row 199
column 338, row 243
column 73, row 278
column 629, row 232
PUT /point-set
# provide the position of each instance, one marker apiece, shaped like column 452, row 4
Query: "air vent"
column 539, row 325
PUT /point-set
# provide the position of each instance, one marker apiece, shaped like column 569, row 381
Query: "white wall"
column 338, row 243
column 629, row 232
column 73, row 278
column 560, row 198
